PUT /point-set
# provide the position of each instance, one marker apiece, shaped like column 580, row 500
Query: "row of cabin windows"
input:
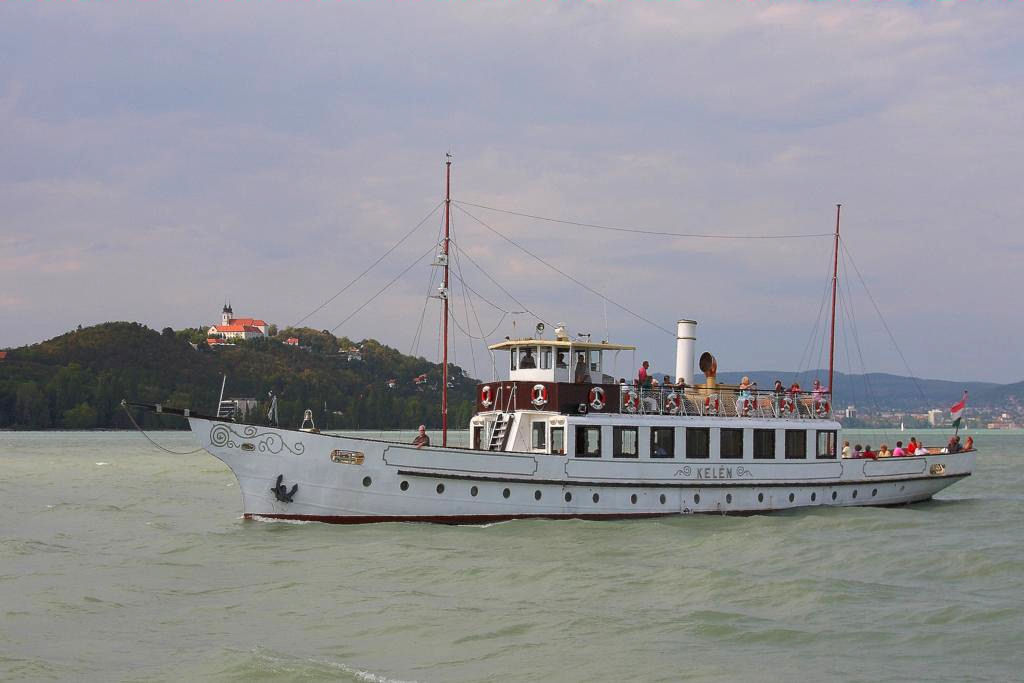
column 538, row 438
column 626, row 440
column 539, row 357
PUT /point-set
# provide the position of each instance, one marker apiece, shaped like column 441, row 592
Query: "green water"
column 121, row 562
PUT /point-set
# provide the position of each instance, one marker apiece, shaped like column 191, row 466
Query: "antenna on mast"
column 835, row 277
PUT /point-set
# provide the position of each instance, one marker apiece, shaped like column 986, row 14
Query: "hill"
column 77, row 380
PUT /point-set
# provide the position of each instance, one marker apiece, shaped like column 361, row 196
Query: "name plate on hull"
column 888, row 467
column 347, row 457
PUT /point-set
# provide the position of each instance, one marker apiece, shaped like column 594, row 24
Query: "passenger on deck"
column 421, row 439
column 846, row 449
column 527, row 362
column 560, row 360
column 954, row 445
column 642, row 378
column 778, row 389
column 884, row 451
column 818, row 390
column 582, row 375
column 681, row 384
column 898, row 452
column 868, row 453
column 794, row 388
column 969, row 445
column 858, row 451
column 743, row 401
column 912, row 446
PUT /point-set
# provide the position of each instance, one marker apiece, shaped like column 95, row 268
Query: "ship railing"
column 724, row 402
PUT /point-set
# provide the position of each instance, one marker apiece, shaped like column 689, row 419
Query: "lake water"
column 122, row 562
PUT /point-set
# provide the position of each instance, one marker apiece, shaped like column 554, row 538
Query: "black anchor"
column 281, row 491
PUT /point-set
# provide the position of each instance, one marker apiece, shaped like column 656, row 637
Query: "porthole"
column 760, row 498
column 696, row 498
column 536, row 495
column 814, row 497
column 833, row 495
column 632, row 499
column 662, row 499
column 596, row 497
column 440, row 488
column 473, row 491
column 901, row 488
column 568, row 497
column 791, row 498
column 874, row 492
column 367, row 481
column 506, row 493
column 404, row 486
column 855, row 493
column 728, row 498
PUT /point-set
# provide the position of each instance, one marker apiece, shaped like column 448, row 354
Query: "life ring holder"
column 630, row 400
column 711, row 406
column 596, row 398
column 539, row 395
column 823, row 408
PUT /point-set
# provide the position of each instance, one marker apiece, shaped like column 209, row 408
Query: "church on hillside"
column 236, row 328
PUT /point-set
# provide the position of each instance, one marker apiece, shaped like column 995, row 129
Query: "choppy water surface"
column 118, row 561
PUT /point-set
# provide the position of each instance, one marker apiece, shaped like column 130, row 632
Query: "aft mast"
column 835, row 277
column 444, row 299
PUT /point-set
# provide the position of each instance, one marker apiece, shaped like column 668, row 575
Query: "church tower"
column 226, row 314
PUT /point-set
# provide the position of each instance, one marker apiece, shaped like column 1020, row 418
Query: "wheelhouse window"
column 663, row 442
column 698, row 442
column 731, row 443
column 513, row 357
column 527, row 358
column 588, row 441
column 764, row 444
column 826, row 445
column 796, row 444
column 539, row 436
column 561, row 359
column 625, row 442
column 545, row 358
column 558, row 440
column 595, row 361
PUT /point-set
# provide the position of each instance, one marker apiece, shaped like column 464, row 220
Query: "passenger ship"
column 560, row 438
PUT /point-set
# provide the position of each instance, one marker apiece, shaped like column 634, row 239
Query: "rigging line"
column 810, row 341
column 458, row 276
column 472, row 306
column 418, row 337
column 869, row 392
column 507, row 293
column 142, row 431
column 642, row 231
column 566, row 275
column 846, row 346
column 892, row 337
column 483, row 338
column 465, row 297
column 381, row 290
column 370, row 267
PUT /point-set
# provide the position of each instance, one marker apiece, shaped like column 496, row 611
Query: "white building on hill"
column 236, row 328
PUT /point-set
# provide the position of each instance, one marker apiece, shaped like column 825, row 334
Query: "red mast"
column 444, row 298
column 835, row 277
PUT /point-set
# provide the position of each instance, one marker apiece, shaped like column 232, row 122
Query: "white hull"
column 396, row 482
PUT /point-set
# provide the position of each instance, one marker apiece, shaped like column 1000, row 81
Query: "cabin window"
column 826, row 445
column 698, row 442
column 764, row 444
column 545, row 358
column 539, row 434
column 560, row 360
column 595, row 361
column 512, row 359
column 624, row 442
column 663, row 442
column 558, row 440
column 796, row 444
column 588, row 441
column 527, row 358
column 731, row 442
column 478, row 432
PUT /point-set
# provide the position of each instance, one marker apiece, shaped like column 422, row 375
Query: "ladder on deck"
column 226, row 410
column 499, row 432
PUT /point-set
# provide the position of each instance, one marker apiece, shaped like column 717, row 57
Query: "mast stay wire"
column 881, row 317
column 566, row 275
column 808, row 352
column 370, row 267
column 641, row 231
column 465, row 304
column 414, row 347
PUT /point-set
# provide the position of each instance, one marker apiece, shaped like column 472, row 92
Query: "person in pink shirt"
column 898, row 451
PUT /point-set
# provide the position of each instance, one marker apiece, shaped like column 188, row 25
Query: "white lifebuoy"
column 539, row 395
column 596, row 398
column 672, row 403
column 711, row 406
column 823, row 408
column 630, row 401
column 485, row 396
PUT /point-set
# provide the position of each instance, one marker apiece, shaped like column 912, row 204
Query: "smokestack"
column 686, row 340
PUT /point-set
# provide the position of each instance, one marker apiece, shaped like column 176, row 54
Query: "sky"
column 161, row 158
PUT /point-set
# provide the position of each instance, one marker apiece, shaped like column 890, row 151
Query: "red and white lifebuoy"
column 630, row 400
column 485, row 396
column 746, row 406
column 596, row 397
column 788, row 406
column 672, row 403
column 711, row 405
column 539, row 395
column 823, row 408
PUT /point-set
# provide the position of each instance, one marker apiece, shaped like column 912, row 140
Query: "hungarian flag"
column 957, row 411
